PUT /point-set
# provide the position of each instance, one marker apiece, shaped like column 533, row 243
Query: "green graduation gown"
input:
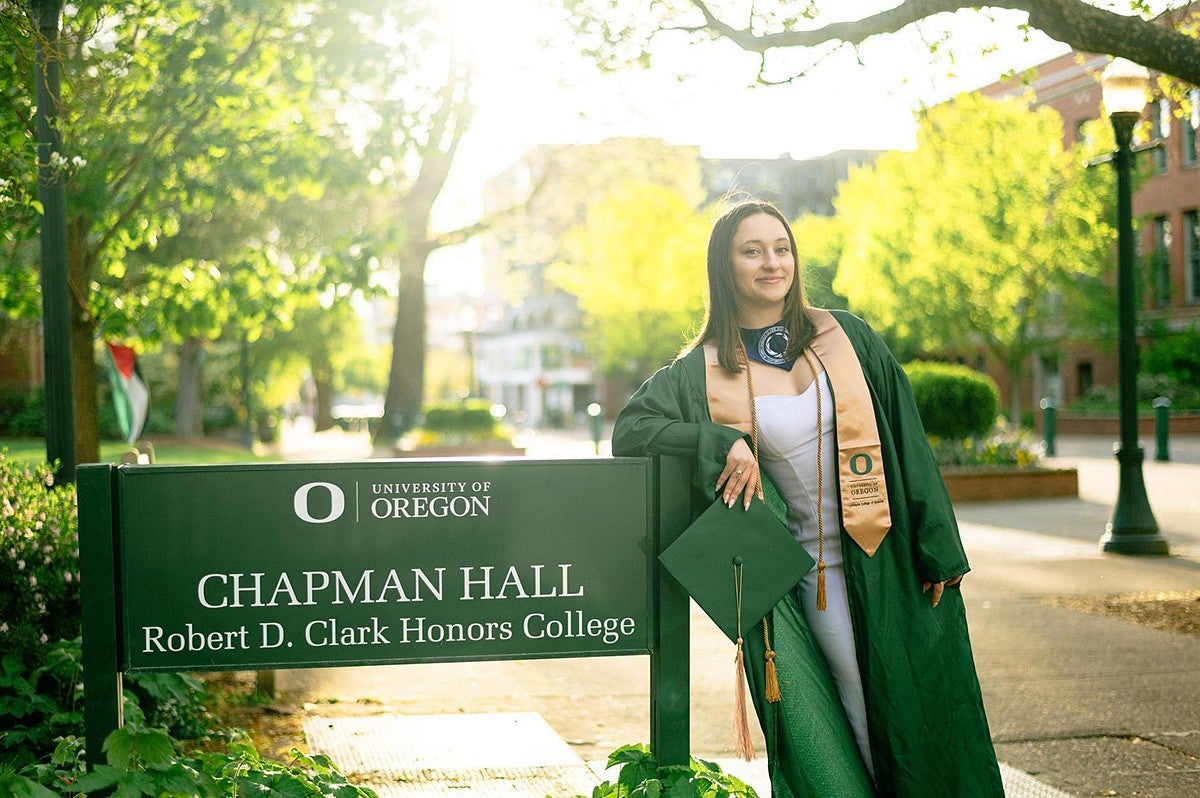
column 926, row 723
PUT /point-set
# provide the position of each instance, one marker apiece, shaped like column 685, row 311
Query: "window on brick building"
column 1084, row 378
column 1160, row 262
column 1191, row 256
column 1191, row 129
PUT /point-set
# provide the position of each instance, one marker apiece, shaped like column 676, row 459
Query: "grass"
column 166, row 450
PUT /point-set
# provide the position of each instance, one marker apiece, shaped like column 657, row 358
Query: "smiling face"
column 764, row 267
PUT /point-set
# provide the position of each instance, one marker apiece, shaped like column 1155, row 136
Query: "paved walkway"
column 1079, row 704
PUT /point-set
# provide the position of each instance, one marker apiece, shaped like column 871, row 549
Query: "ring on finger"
column 737, row 470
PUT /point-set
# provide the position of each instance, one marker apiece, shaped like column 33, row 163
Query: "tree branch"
column 493, row 219
column 1081, row 25
column 850, row 31
column 452, row 118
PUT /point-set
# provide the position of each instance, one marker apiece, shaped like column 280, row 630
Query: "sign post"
column 268, row 566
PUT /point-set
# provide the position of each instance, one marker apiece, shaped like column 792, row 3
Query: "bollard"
column 1162, row 432
column 594, row 411
column 1048, row 423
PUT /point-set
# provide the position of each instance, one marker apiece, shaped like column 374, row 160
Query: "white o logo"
column 337, row 502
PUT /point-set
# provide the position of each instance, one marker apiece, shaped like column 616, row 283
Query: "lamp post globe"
column 1132, row 529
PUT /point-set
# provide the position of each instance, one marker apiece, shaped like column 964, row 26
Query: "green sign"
column 262, row 566
column 302, row 565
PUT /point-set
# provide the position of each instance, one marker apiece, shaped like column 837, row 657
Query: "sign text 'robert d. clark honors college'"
column 295, row 565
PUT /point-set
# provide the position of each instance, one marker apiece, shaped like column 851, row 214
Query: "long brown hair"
column 720, row 319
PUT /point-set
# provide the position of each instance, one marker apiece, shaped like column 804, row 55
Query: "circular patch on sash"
column 772, row 344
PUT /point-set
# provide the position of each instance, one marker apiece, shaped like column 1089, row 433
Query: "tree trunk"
column 406, row 378
column 322, row 376
column 189, row 396
column 84, row 401
column 33, row 347
column 1014, row 399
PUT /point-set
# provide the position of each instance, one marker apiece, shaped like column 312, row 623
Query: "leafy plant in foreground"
column 143, row 762
column 642, row 776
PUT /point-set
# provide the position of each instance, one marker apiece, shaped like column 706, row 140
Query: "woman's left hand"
column 940, row 587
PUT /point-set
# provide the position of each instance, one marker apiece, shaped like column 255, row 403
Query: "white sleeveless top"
column 787, row 442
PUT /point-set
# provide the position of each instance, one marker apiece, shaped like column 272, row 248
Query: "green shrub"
column 460, row 418
column 1105, row 399
column 955, row 402
column 39, row 558
column 1175, row 355
column 12, row 402
column 23, row 414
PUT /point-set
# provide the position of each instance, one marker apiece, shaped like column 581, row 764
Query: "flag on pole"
column 130, row 394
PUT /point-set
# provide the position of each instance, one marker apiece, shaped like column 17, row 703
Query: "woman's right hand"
column 740, row 475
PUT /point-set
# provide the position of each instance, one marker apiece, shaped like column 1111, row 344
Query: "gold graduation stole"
column 866, row 514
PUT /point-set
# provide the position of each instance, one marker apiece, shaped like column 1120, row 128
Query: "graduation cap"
column 729, row 551
column 737, row 564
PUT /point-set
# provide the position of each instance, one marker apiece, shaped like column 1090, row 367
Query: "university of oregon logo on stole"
column 863, row 486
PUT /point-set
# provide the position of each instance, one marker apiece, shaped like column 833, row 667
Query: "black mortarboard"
column 705, row 557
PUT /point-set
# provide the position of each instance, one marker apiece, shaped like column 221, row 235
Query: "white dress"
column 787, row 433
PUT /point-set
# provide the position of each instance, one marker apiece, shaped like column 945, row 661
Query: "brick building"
column 1166, row 209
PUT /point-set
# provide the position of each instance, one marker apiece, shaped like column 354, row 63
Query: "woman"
column 863, row 496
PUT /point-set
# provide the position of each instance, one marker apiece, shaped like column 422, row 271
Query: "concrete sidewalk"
column 1085, row 705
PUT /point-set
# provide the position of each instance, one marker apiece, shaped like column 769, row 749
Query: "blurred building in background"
column 797, row 187
column 530, row 356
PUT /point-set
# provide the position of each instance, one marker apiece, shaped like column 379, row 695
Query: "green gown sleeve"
column 939, row 551
column 668, row 415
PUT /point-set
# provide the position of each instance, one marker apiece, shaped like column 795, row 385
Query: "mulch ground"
column 1175, row 611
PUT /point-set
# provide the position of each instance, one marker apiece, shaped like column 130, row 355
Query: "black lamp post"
column 1132, row 529
column 56, row 320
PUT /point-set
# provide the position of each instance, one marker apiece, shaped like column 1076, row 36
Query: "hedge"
column 955, row 402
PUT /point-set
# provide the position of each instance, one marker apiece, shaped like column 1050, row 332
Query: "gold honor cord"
column 742, row 742
column 772, row 677
column 820, row 489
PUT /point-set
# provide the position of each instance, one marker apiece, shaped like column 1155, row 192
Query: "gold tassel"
column 772, row 681
column 743, row 745
column 821, row 586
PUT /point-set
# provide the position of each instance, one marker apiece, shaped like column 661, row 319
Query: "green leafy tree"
column 166, row 107
column 983, row 236
column 617, row 34
column 325, row 339
column 211, row 182
column 819, row 241
column 636, row 265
